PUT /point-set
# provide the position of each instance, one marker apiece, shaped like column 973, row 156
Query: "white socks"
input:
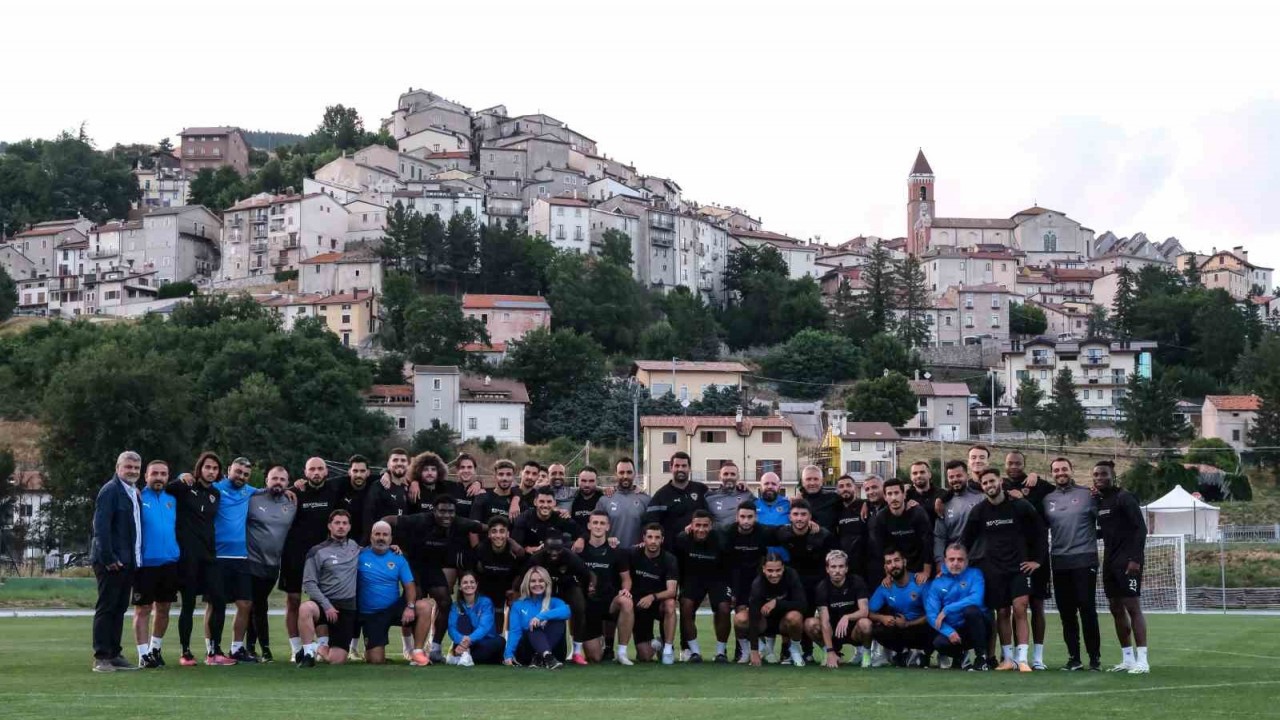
column 796, row 657
column 208, row 646
column 744, row 645
column 235, row 646
column 295, row 644
column 1006, row 653
column 1038, row 653
column 1126, row 654
column 406, row 641
column 142, row 651
column 620, row 650
column 156, row 642
column 667, row 649
column 772, row 644
column 577, row 648
column 693, row 647
column 1022, row 654
column 722, row 648
column 1142, row 655
column 323, row 641
column 310, row 649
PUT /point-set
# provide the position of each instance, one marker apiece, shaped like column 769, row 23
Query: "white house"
column 869, row 448
column 1229, row 417
column 475, row 407
column 942, row 411
column 1100, row 369
column 562, row 220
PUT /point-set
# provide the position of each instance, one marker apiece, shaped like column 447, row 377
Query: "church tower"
column 920, row 206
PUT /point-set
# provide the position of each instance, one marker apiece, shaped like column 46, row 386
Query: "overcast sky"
column 1154, row 116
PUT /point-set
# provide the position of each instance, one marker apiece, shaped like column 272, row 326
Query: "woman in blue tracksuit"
column 536, row 629
column 471, row 626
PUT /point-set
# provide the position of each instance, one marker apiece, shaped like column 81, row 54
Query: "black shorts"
column 810, row 584
column 1002, row 587
column 194, row 574
column 1040, row 583
column 344, row 630
column 291, row 564
column 377, row 625
column 230, row 581
column 1116, row 583
column 645, row 619
column 698, row 589
column 155, row 584
column 597, row 615
column 773, row 623
column 740, row 588
column 428, row 577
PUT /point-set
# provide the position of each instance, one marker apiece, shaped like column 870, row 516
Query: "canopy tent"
column 1181, row 513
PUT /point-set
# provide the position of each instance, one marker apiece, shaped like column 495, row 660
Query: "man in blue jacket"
column 157, row 581
column 232, row 582
column 954, row 607
column 117, row 539
column 773, row 508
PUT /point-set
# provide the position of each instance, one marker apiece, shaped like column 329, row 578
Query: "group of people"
column 535, row 572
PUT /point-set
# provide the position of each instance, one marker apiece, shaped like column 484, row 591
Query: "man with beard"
column 1018, row 484
column 563, row 493
column 824, row 504
column 699, row 552
column 773, row 509
column 542, row 521
column 386, row 593
column 271, row 515
column 116, row 550
column 465, row 467
column 609, row 597
column 1124, row 541
column 390, row 498
column 775, row 607
column 429, row 541
column 155, row 585
column 851, row 529
column 1071, row 512
column 746, row 543
column 653, row 575
column 317, row 497
column 897, row 615
column 956, row 503
column 723, row 501
column 499, row 566
column 427, row 481
column 843, row 617
column 570, row 578
column 1015, row 546
column 626, row 506
column 807, row 545
column 232, row 582
column 584, row 501
column 522, row 498
column 922, row 491
column 905, row 528
column 352, row 495
column 197, row 509
column 497, row 501
column 673, row 504
column 330, row 580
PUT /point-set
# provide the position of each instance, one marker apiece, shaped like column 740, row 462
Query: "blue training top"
column 159, row 528
column 379, row 579
column 906, row 601
column 230, row 527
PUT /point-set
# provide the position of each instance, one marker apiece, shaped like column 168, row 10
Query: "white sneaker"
column 1125, row 666
column 668, row 657
column 407, row 655
column 453, row 659
column 879, row 659
column 771, row 659
column 944, row 662
column 856, row 660
column 797, row 659
column 622, row 659
column 745, row 659
column 685, row 655
column 1039, row 665
column 1139, row 668
column 464, row 660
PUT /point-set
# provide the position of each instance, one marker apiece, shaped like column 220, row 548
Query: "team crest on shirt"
column 391, row 565
column 693, row 495
column 915, row 596
column 963, row 585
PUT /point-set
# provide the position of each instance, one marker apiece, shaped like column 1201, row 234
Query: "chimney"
column 738, row 417
column 487, row 380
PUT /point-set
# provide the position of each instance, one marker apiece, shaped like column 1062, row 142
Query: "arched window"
column 1050, row 242
column 924, row 193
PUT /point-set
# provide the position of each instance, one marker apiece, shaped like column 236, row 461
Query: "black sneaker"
column 1095, row 664
column 722, row 659
column 695, row 658
column 980, row 664
column 297, row 657
column 244, row 656
column 157, row 657
column 551, row 662
column 265, row 657
column 307, row 661
column 992, row 664
column 1073, row 665
column 148, row 662
column 808, row 659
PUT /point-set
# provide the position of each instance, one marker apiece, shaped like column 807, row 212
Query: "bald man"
column 317, row 496
column 823, row 502
column 773, row 509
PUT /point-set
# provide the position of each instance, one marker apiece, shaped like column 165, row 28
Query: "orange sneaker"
column 1006, row 665
column 1023, row 667
column 578, row 659
column 419, row 659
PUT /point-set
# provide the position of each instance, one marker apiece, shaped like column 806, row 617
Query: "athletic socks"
column 796, row 657
column 772, row 644
column 577, row 648
column 1142, row 655
column 1006, row 652
column 744, row 646
column 310, row 649
column 406, row 641
column 1038, row 652
column 142, row 651
column 295, row 644
column 1126, row 653
column 208, row 646
column 352, row 648
column 667, row 648
column 235, row 647
column 693, row 647
column 156, row 642
column 722, row 648
column 620, row 651
column 322, row 641
column 1022, row 654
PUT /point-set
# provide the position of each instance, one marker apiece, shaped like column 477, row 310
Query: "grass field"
column 1204, row 667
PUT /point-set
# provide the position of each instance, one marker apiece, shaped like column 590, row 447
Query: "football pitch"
column 1203, row 666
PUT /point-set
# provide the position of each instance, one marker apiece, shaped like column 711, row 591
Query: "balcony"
column 65, row 283
column 662, row 238
column 1095, row 360
column 103, row 253
column 292, row 241
column 236, row 222
column 1040, row 361
column 280, row 259
column 665, row 222
column 922, row 419
column 258, row 246
column 705, row 283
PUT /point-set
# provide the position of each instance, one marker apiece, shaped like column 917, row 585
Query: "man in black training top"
column 1032, row 488
column 654, row 576
column 673, row 504
column 1124, row 542
column 703, row 575
column 843, row 617
column 824, row 504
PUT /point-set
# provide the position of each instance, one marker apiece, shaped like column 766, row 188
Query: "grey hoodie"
column 270, row 518
column 330, row 574
column 950, row 524
column 1072, row 516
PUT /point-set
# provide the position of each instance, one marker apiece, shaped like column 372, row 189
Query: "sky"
column 1160, row 117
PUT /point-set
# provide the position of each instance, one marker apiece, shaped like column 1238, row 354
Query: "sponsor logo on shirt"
column 999, row 522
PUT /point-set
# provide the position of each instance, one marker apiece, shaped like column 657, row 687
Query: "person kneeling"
column 775, row 608
column 536, row 630
column 471, row 626
column 954, row 608
column 902, row 625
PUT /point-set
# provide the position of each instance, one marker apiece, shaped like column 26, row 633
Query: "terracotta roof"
column 209, row 131
column 473, row 388
column 921, row 166
column 1074, row 273
column 313, row 299
column 689, row 366
column 497, row 347
column 571, row 202
column 472, row 301
column 390, row 391
column 39, row 231
column 322, row 258
column 116, row 226
column 254, row 202
column 870, row 431
column 1037, row 210
column 450, row 155
column 773, row 238
column 1235, row 402
column 975, row 223
column 691, row 423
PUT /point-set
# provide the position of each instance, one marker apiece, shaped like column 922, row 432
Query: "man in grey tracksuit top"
column 723, row 501
column 329, row 579
column 270, row 516
column 1071, row 512
column 961, row 498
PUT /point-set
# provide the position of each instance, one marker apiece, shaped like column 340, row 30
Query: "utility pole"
column 993, row 407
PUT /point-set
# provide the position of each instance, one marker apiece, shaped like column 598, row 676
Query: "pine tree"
column 1063, row 417
column 878, row 274
column 1265, row 431
column 1122, row 308
column 1151, row 416
column 912, row 303
column 1029, row 411
column 1191, row 274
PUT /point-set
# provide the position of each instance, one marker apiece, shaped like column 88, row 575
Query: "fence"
column 1250, row 533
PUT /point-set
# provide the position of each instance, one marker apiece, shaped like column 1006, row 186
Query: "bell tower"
column 920, row 206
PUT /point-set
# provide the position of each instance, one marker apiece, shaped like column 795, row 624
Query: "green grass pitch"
column 1203, row 667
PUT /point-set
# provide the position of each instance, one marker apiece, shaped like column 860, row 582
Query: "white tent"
column 1180, row 513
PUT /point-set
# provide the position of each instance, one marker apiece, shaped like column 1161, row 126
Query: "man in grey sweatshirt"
column 329, row 578
column 723, row 502
column 1071, row 512
column 953, row 512
column 270, row 516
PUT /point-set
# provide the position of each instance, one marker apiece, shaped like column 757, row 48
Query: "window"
column 504, row 423
column 880, row 446
column 855, row 446
column 472, row 424
column 659, row 389
column 995, row 321
column 768, row 466
column 951, row 408
column 948, row 321
column 855, row 466
column 713, row 436
column 401, row 423
column 346, row 319
column 346, row 339
column 666, row 466
column 968, row 301
column 968, row 320
column 771, row 437
column 684, row 392
column 1235, row 435
column 435, row 403
column 560, row 211
column 668, row 438
column 1050, row 242
column 995, row 302
column 436, row 384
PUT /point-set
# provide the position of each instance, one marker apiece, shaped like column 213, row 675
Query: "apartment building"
column 214, row 147
column 1229, row 418
column 352, row 315
column 1229, row 270
column 507, row 317
column 1100, row 368
column 983, row 310
column 945, row 266
column 687, row 379
column 265, row 233
column 565, row 221
column 757, row 445
column 942, row 411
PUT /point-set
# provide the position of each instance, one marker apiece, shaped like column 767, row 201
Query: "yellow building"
column 757, row 445
column 352, row 316
column 687, row 380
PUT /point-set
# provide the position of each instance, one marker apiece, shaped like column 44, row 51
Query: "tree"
column 271, row 177
column 398, row 295
column 1099, row 323
column 8, row 295
column 882, row 399
column 62, row 178
column 885, row 352
column 389, row 370
column 810, row 362
column 696, row 334
column 1151, row 418
column 184, row 288
column 848, row 314
column 982, row 387
column 765, row 305
column 1063, row 417
column 878, row 276
column 552, row 365
column 912, row 303
column 1124, row 305
column 342, row 127
column 436, row 331
column 1211, row 451
column 217, row 189
column 252, row 420
column 1027, row 320
column 1191, row 273
column 462, row 245
column 1265, row 430
column 439, row 439
column 597, row 297
column 165, row 145
column 1030, row 413
column 1259, row 365
column 8, row 490
column 401, row 246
